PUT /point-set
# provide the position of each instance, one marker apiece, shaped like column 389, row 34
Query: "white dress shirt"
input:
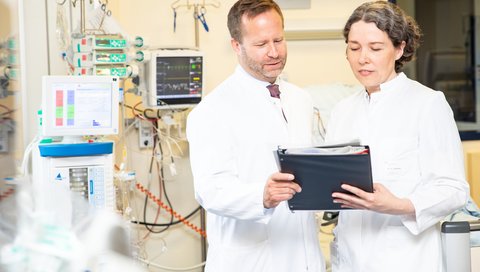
column 417, row 154
column 233, row 134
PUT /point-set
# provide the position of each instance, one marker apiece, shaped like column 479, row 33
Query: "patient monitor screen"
column 177, row 78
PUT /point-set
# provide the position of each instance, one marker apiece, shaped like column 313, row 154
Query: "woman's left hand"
column 381, row 200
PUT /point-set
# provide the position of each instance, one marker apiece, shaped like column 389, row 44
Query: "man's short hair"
column 249, row 8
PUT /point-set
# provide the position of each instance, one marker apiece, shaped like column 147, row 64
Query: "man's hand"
column 279, row 187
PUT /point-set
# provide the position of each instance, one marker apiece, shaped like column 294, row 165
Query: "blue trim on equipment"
column 76, row 150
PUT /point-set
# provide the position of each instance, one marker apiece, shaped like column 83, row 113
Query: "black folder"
column 321, row 174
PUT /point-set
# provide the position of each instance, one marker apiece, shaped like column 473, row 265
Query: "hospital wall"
column 310, row 62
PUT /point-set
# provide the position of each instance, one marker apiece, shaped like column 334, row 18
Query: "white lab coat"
column 417, row 154
column 233, row 134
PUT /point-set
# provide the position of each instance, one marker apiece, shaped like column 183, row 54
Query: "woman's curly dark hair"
column 392, row 20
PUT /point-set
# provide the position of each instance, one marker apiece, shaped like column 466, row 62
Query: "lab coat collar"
column 387, row 88
column 251, row 81
column 393, row 84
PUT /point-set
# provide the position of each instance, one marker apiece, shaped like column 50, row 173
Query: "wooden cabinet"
column 471, row 151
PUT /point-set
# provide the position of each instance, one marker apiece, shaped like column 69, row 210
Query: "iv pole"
column 197, row 45
column 197, row 32
column 82, row 14
column 196, row 7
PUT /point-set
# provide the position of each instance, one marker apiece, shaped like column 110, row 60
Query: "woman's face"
column 371, row 55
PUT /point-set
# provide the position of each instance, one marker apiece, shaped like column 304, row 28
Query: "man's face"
column 262, row 51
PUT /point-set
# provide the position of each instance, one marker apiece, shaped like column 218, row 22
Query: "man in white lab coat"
column 233, row 134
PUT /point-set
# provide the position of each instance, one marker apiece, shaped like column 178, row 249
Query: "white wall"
column 309, row 62
column 34, row 61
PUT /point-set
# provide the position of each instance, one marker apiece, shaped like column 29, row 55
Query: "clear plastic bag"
column 61, row 29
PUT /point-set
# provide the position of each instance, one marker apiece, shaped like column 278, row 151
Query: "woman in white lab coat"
column 416, row 153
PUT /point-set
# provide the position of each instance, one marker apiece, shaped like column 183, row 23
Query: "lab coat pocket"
column 398, row 158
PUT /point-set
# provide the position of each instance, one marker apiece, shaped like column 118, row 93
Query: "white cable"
column 169, row 147
column 126, row 130
column 168, row 138
column 172, row 268
column 176, row 144
column 26, row 154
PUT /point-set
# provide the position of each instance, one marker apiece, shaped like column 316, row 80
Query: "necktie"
column 274, row 91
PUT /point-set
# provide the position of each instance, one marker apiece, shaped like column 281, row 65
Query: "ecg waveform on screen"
column 173, row 86
column 166, row 66
column 179, row 76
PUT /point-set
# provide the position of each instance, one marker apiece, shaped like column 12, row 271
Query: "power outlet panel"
column 145, row 134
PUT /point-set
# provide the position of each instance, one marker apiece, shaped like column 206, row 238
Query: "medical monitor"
column 175, row 78
column 79, row 105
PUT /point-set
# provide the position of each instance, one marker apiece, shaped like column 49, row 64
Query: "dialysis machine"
column 67, row 173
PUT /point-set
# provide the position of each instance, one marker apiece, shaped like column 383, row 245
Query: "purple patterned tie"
column 274, row 91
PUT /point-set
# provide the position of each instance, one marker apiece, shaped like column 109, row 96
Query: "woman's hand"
column 381, row 200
